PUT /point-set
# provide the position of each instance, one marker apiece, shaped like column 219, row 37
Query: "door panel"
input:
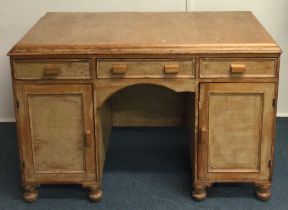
column 236, row 123
column 55, row 120
column 47, row 133
column 238, row 108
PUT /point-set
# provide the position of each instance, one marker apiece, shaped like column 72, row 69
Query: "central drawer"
column 145, row 68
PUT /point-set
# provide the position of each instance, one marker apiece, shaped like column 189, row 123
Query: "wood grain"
column 65, row 69
column 166, row 33
column 53, row 121
column 75, row 75
column 145, row 68
column 47, row 133
column 221, row 67
column 248, row 108
column 106, row 88
column 148, row 105
column 104, row 127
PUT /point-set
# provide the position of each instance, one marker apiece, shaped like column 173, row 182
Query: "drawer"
column 237, row 67
column 52, row 69
column 145, row 68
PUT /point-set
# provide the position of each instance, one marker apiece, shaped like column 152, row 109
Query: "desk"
column 75, row 75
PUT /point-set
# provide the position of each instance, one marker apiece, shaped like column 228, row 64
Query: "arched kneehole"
column 148, row 124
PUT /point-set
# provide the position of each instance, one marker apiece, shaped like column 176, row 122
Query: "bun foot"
column 95, row 194
column 30, row 194
column 263, row 192
column 199, row 194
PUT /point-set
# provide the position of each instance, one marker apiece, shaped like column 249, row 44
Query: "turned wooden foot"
column 95, row 193
column 31, row 193
column 199, row 193
column 263, row 191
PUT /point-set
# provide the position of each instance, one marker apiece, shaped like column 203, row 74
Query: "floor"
column 145, row 169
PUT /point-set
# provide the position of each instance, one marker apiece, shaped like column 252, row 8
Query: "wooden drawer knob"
column 238, row 68
column 51, row 70
column 119, row 68
column 203, row 135
column 88, row 138
column 171, row 68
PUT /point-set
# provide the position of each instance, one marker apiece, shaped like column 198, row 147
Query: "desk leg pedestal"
column 199, row 192
column 263, row 192
column 95, row 193
column 31, row 193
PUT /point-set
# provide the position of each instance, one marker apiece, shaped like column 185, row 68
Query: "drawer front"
column 54, row 69
column 234, row 67
column 146, row 68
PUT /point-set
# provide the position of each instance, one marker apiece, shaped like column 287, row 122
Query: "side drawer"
column 237, row 67
column 145, row 68
column 52, row 69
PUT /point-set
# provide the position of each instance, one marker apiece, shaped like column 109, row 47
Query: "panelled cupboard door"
column 56, row 132
column 236, row 131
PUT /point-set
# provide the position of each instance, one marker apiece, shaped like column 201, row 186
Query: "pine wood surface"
column 171, row 32
column 75, row 75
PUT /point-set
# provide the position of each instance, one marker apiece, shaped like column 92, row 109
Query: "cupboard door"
column 56, row 132
column 236, row 131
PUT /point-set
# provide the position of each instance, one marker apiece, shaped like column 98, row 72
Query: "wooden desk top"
column 143, row 33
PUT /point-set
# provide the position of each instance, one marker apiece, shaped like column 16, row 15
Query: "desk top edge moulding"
column 106, row 33
column 76, row 75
